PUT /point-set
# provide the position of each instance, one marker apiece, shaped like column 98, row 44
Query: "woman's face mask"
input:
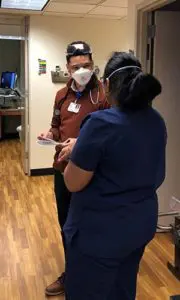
column 82, row 76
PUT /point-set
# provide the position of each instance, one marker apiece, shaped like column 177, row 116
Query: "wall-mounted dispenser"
column 59, row 76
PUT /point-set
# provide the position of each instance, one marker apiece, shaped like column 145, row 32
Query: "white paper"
column 47, row 142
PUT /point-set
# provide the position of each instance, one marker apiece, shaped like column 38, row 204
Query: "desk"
column 8, row 112
column 7, row 100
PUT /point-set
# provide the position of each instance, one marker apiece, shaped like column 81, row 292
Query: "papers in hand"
column 47, row 142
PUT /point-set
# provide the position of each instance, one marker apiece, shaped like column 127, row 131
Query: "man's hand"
column 65, row 149
column 47, row 135
column 69, row 142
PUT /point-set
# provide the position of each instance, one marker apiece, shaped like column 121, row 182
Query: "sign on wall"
column 42, row 66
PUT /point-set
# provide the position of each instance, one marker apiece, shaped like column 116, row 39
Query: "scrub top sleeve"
column 161, row 170
column 89, row 147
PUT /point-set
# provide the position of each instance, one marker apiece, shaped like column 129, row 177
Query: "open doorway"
column 159, row 48
column 14, row 85
column 10, row 100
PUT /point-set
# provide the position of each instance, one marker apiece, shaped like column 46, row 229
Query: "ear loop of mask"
column 123, row 68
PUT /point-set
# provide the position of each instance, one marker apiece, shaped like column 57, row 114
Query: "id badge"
column 74, row 107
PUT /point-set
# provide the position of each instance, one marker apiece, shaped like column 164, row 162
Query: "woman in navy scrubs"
column 116, row 166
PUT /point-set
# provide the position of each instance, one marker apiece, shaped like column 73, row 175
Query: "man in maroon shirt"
column 82, row 95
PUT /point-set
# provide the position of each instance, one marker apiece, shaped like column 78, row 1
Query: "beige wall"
column 131, row 22
column 48, row 39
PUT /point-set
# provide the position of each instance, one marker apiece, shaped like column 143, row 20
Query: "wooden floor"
column 31, row 255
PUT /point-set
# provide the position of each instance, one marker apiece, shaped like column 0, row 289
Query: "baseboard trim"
column 41, row 172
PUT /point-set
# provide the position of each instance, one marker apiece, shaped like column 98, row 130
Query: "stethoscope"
column 79, row 95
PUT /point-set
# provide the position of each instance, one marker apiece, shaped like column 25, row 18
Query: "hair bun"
column 142, row 90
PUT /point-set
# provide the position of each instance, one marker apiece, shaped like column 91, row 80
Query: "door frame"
column 141, row 39
column 25, row 118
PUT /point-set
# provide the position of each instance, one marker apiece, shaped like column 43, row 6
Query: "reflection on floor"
column 31, row 255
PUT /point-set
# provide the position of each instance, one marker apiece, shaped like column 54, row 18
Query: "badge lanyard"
column 78, row 95
column 74, row 106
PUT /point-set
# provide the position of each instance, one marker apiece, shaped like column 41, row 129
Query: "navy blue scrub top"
column 117, row 212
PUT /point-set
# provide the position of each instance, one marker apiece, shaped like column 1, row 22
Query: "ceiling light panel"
column 24, row 4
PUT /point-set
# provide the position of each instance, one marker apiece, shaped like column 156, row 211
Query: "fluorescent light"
column 24, row 4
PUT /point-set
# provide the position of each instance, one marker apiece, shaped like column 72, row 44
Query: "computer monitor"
column 8, row 80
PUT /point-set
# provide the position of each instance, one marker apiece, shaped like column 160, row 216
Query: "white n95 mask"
column 82, row 76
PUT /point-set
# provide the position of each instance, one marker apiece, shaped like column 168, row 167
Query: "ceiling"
column 110, row 9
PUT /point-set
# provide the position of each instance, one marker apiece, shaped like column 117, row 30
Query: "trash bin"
column 19, row 130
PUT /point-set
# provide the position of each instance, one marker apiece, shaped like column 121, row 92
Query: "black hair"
column 86, row 51
column 131, row 88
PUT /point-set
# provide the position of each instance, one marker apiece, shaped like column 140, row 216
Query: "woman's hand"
column 65, row 149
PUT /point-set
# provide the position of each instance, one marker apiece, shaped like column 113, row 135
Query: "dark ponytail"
column 141, row 92
column 130, row 88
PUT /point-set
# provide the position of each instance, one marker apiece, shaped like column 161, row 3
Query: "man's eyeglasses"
column 78, row 66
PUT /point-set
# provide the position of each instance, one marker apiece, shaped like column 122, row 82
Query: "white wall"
column 49, row 37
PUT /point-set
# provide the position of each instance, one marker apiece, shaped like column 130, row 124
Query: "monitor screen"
column 8, row 80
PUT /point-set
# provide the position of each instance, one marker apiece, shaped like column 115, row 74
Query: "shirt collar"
column 73, row 87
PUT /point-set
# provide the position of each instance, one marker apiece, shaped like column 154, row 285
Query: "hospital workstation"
column 10, row 105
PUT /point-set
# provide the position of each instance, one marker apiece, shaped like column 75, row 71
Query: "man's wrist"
column 55, row 133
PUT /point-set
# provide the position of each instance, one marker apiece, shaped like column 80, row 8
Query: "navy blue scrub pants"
column 63, row 197
column 90, row 278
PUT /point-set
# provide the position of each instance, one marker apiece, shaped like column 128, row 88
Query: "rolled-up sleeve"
column 90, row 146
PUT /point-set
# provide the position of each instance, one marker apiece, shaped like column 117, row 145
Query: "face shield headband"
column 122, row 69
column 81, row 49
